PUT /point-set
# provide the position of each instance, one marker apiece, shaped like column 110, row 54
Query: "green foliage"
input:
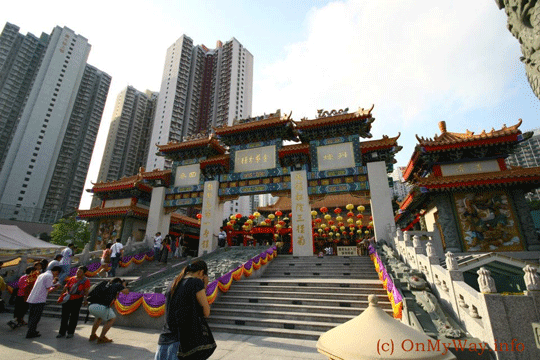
column 70, row 230
column 45, row 237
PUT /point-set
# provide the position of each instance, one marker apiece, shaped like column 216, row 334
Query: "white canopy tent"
column 15, row 241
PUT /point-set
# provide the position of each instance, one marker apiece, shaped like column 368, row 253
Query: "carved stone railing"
column 489, row 316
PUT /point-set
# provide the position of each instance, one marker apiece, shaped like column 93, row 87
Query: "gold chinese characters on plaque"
column 260, row 158
column 335, row 156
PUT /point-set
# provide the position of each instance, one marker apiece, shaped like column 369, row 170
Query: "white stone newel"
column 532, row 280
column 416, row 241
column 451, row 262
column 429, row 249
column 399, row 234
column 485, row 281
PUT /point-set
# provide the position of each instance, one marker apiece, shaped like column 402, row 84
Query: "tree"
column 70, row 230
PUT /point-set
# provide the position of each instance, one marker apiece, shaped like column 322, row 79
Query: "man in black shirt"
column 101, row 307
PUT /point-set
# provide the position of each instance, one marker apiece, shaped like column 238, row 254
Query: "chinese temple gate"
column 464, row 189
column 251, row 157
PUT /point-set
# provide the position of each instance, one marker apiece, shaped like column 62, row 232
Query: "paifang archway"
column 250, row 157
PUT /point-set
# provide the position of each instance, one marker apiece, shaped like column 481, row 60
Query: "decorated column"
column 301, row 220
column 158, row 219
column 381, row 199
column 207, row 240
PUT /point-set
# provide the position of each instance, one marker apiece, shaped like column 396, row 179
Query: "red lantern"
column 281, row 222
column 318, row 221
column 268, row 221
column 238, row 216
column 360, row 216
column 233, row 222
column 337, row 210
column 371, row 218
column 330, row 222
column 251, row 217
column 340, row 224
column 199, row 216
column 278, row 213
column 351, row 233
column 336, row 241
column 350, row 214
column 324, row 210
column 290, row 215
column 324, row 235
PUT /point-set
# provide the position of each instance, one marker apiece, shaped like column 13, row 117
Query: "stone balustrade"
column 489, row 316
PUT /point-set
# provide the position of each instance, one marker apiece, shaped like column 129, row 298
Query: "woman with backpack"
column 186, row 334
column 76, row 292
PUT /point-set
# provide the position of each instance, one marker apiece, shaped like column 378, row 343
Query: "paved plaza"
column 130, row 343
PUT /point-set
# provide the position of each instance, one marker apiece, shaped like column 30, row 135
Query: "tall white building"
column 200, row 88
column 401, row 188
column 47, row 160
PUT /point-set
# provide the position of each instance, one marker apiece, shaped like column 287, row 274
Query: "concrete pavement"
column 137, row 344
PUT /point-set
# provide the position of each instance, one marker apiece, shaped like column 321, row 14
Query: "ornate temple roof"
column 273, row 126
column 336, row 123
column 142, row 181
column 329, row 201
column 469, row 138
column 451, row 147
column 185, row 220
column 294, row 149
column 380, row 144
column 99, row 212
column 223, row 160
column 194, row 148
column 515, row 176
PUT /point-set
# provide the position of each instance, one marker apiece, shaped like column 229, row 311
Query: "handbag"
column 63, row 298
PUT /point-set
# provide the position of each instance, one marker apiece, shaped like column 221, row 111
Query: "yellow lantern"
column 229, row 223
column 333, row 227
column 358, row 222
column 320, row 231
column 271, row 216
column 339, row 218
column 349, row 207
column 342, row 228
column 359, row 231
column 249, row 221
column 276, row 235
column 327, row 217
column 256, row 214
column 330, row 234
column 350, row 221
column 313, row 213
column 366, row 232
column 232, row 217
column 278, row 226
column 360, row 208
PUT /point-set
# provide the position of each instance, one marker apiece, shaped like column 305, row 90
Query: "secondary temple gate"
column 250, row 157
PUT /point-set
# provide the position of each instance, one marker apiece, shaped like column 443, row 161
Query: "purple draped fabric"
column 211, row 287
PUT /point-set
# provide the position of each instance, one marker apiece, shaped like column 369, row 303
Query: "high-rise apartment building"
column 128, row 141
column 20, row 56
column 527, row 154
column 200, row 88
column 46, row 162
column 400, row 188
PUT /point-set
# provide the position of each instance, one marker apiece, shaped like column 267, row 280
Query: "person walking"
column 56, row 262
column 77, row 289
column 166, row 247
column 157, row 246
column 45, row 283
column 117, row 249
column 222, row 237
column 100, row 307
column 21, row 306
column 67, row 253
column 186, row 334
column 105, row 260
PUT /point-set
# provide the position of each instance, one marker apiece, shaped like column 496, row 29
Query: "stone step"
column 337, row 283
column 304, row 295
column 317, row 304
column 265, row 331
column 320, row 289
column 283, row 310
column 258, row 315
column 321, row 275
column 300, row 322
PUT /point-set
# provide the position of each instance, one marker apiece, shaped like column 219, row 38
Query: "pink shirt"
column 22, row 285
column 40, row 290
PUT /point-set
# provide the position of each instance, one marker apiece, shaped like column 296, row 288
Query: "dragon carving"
column 524, row 24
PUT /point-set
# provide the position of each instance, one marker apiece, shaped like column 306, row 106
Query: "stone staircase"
column 298, row 297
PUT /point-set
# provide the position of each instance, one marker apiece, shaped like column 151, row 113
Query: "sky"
column 419, row 62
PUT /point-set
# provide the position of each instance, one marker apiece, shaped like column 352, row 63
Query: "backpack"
column 96, row 291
